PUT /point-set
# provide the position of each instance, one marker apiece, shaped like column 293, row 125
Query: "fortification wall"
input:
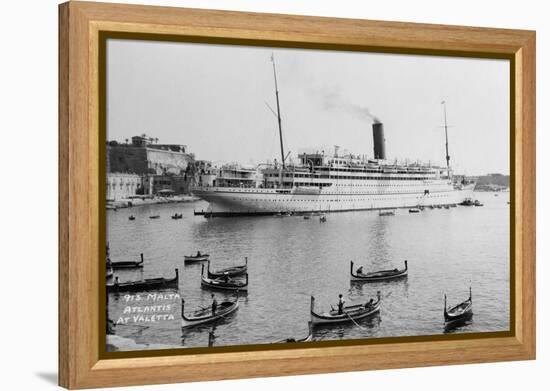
column 163, row 162
column 127, row 159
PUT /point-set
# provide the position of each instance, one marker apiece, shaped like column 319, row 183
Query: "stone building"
column 122, row 185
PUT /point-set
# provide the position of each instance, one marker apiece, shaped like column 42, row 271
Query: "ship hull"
column 253, row 201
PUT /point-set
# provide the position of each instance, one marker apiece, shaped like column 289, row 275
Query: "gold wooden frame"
column 81, row 24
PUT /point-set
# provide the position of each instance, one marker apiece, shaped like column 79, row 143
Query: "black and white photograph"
column 259, row 195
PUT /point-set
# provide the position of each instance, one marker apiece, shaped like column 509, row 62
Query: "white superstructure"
column 331, row 184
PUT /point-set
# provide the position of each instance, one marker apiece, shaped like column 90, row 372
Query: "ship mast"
column 447, row 157
column 278, row 112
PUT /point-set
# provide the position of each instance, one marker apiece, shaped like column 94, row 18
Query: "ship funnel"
column 378, row 140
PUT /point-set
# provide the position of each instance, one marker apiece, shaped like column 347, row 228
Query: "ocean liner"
column 321, row 182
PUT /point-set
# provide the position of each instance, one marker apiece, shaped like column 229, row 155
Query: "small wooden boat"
column 131, row 218
column 144, row 285
column 307, row 338
column 225, row 283
column 109, row 272
column 381, row 275
column 459, row 312
column 351, row 313
column 414, row 210
column 322, row 219
column 467, row 202
column 205, row 315
column 125, row 264
column 386, row 212
column 478, row 203
column 307, row 217
column 154, row 217
column 196, row 258
column 177, row 216
column 233, row 271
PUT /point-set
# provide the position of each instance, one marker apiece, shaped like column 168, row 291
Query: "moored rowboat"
column 196, row 258
column 126, row 264
column 144, row 285
column 459, row 312
column 232, row 271
column 225, row 283
column 381, row 275
column 205, row 315
column 350, row 313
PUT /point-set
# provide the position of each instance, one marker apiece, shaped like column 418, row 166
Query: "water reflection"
column 458, row 325
column 366, row 327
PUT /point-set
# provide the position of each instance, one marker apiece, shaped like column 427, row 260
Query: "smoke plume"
column 333, row 100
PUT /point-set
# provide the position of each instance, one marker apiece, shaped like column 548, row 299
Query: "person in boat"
column 360, row 270
column 341, row 303
column 225, row 277
column 369, row 304
column 214, row 304
column 198, row 253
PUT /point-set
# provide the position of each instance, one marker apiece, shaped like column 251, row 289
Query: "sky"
column 217, row 100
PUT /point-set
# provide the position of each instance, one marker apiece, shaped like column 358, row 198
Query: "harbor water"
column 290, row 259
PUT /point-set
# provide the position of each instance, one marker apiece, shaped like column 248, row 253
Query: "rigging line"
column 357, row 324
column 278, row 110
column 271, row 109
